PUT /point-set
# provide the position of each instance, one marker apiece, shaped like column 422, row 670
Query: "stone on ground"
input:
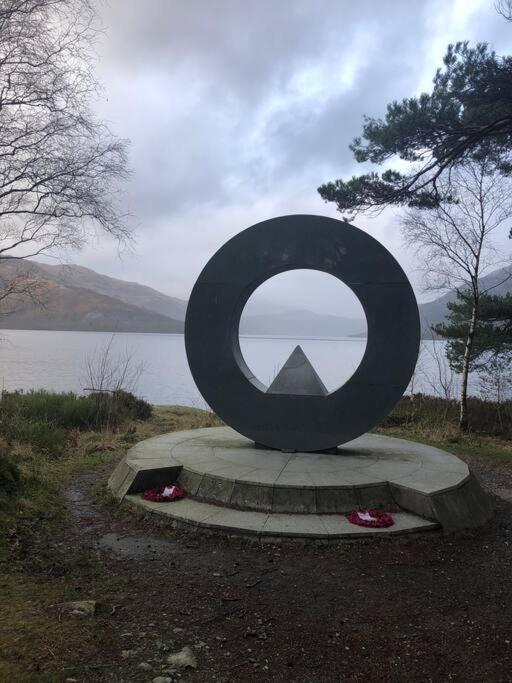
column 185, row 659
column 81, row 608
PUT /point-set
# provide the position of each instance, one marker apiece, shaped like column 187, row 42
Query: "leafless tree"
column 455, row 241
column 495, row 380
column 437, row 373
column 108, row 372
column 108, row 375
column 60, row 168
column 418, row 371
column 17, row 288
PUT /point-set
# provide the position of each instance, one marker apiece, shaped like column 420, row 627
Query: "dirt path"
column 424, row 609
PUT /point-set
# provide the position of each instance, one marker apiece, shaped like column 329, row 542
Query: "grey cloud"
column 209, row 91
column 235, row 57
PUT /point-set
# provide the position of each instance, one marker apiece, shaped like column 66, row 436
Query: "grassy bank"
column 47, row 438
column 434, row 421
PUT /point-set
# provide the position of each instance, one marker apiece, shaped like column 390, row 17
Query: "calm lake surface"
column 33, row 359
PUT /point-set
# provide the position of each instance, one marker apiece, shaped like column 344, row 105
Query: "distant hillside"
column 130, row 292
column 498, row 282
column 77, row 298
column 301, row 324
column 61, row 307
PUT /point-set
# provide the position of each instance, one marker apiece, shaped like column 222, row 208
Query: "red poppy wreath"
column 370, row 518
column 164, row 494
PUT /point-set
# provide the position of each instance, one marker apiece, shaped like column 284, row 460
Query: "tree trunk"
column 463, row 416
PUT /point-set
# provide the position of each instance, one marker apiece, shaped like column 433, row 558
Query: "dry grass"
column 43, row 475
column 434, row 421
column 35, row 632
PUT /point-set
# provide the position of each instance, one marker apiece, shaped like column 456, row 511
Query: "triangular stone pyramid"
column 298, row 376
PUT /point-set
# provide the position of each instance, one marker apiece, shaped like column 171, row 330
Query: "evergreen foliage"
column 467, row 116
column 493, row 333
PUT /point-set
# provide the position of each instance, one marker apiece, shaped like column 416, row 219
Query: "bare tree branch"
column 60, row 168
column 455, row 240
column 504, row 7
column 110, row 372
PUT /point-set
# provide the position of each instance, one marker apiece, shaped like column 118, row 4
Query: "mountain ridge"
column 128, row 291
column 80, row 299
column 70, row 308
column 298, row 322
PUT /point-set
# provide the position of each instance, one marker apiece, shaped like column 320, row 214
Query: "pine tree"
column 491, row 348
column 467, row 115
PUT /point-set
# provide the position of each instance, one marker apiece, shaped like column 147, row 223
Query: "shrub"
column 67, row 410
column 428, row 412
column 41, row 406
column 42, row 418
column 114, row 408
column 10, row 478
column 136, row 408
column 42, row 436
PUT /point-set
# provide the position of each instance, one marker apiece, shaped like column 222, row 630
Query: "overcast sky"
column 237, row 110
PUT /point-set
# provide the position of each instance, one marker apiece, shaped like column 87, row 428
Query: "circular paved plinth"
column 223, row 471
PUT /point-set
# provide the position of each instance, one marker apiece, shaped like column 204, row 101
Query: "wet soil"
column 429, row 608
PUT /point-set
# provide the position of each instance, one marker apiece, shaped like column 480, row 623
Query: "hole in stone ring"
column 311, row 310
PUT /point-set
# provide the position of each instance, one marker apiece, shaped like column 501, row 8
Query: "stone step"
column 267, row 525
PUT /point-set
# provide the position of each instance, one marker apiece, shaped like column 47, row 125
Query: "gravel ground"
column 429, row 608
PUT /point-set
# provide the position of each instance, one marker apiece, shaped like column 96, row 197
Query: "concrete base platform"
column 236, row 487
column 195, row 513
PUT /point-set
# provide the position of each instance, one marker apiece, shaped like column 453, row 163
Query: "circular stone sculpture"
column 298, row 421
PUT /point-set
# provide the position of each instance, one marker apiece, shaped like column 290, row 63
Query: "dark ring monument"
column 303, row 420
column 315, row 460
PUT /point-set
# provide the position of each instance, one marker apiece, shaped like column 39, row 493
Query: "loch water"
column 55, row 360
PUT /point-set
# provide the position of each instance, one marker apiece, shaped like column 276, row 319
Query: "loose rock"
column 160, row 645
column 125, row 654
column 185, row 659
column 81, row 608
